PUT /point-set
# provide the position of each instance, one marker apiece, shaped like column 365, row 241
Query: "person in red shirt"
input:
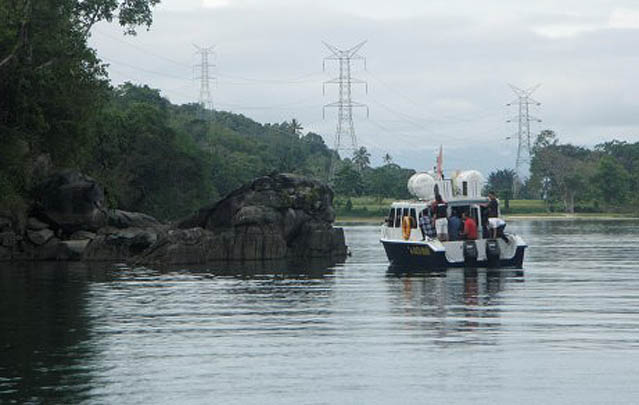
column 470, row 227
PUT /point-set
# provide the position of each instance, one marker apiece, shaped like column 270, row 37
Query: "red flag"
column 440, row 163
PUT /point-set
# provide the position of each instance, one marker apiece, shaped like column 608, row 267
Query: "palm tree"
column 388, row 159
column 296, row 126
column 361, row 158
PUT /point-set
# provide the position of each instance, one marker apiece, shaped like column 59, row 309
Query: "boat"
column 406, row 246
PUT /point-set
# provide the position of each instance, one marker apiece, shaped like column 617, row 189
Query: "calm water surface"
column 563, row 330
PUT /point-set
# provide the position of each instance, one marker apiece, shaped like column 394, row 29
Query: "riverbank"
column 343, row 220
column 373, row 210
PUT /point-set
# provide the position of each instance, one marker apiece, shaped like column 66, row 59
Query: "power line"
column 142, row 69
column 296, row 80
column 138, row 47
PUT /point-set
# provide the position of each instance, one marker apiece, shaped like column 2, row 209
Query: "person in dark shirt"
column 454, row 226
column 470, row 227
column 493, row 205
column 493, row 215
column 441, row 221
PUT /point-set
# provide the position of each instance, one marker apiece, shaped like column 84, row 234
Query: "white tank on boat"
column 421, row 185
column 469, row 183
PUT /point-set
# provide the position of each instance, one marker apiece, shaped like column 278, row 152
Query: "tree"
column 296, row 127
column 387, row 181
column 361, row 158
column 544, row 139
column 388, row 159
column 560, row 169
column 612, row 181
column 502, row 182
column 348, row 181
column 53, row 85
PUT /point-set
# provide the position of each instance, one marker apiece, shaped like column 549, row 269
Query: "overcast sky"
column 437, row 71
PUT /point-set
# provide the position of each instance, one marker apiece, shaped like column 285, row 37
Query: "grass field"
column 372, row 209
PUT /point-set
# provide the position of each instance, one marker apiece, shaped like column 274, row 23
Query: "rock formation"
column 67, row 215
column 274, row 217
column 280, row 216
column 71, row 201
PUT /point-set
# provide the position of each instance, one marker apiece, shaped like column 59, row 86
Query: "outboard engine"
column 492, row 252
column 470, row 253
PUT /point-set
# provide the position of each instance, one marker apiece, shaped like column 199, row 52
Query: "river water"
column 565, row 329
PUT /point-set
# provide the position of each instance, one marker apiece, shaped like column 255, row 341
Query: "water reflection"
column 331, row 333
column 286, row 268
column 45, row 330
column 451, row 306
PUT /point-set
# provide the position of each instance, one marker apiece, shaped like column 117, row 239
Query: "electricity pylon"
column 524, row 150
column 345, row 104
column 205, row 100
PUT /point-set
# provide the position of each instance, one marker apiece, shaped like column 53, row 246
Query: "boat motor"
column 470, row 253
column 492, row 252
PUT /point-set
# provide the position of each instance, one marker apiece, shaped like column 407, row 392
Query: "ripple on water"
column 565, row 329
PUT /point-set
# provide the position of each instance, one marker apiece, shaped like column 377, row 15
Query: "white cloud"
column 216, row 3
column 624, row 18
column 619, row 18
column 437, row 70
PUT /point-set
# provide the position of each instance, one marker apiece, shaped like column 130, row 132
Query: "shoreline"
column 511, row 217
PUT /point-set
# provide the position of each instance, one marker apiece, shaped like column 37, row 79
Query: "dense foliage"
column 502, row 182
column 52, row 85
column 58, row 110
column 575, row 178
column 356, row 178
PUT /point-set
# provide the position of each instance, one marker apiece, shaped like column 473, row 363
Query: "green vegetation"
column 362, row 207
column 58, row 110
column 355, row 178
column 574, row 179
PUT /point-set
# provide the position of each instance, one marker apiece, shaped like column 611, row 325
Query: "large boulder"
column 274, row 217
column 71, row 201
column 35, row 224
column 40, row 237
column 125, row 219
column 5, row 223
column 119, row 244
column 8, row 241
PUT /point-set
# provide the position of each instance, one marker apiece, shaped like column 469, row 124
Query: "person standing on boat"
column 493, row 213
column 454, row 226
column 470, row 227
column 496, row 225
column 426, row 225
column 441, row 219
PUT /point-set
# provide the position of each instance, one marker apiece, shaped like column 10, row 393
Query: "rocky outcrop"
column 125, row 219
column 67, row 216
column 119, row 244
column 281, row 216
column 274, row 217
column 71, row 201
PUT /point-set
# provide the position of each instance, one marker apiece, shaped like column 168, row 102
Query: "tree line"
column 572, row 178
column 58, row 110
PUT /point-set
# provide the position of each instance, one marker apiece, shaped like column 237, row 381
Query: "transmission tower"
column 345, row 104
column 524, row 101
column 205, row 100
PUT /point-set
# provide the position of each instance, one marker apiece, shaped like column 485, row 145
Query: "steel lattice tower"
column 345, row 104
column 205, row 100
column 524, row 101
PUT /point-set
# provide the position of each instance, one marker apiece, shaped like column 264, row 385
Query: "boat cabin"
column 392, row 228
